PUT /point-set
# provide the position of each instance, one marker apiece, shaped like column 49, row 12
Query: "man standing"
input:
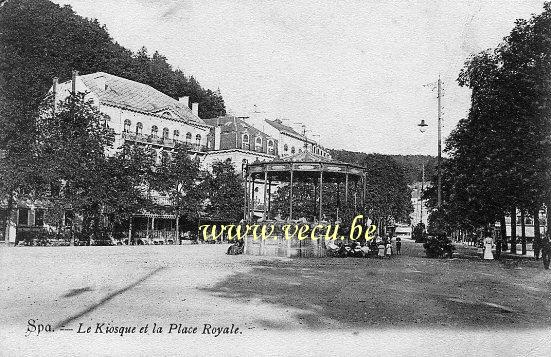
column 398, row 245
column 546, row 251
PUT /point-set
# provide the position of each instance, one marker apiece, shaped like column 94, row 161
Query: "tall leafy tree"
column 72, row 145
column 499, row 155
column 225, row 192
column 178, row 177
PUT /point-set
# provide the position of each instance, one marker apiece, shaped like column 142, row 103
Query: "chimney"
column 184, row 100
column 195, row 109
column 74, row 82
column 102, row 83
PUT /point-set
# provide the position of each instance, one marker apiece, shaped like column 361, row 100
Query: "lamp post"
column 422, row 128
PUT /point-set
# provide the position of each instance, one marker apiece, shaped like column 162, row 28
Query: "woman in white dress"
column 488, row 244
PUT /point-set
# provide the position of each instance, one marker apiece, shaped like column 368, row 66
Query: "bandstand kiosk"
column 304, row 167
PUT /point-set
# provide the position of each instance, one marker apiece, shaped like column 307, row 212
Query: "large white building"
column 139, row 113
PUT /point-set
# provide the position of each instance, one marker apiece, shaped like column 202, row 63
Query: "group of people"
column 384, row 247
column 543, row 248
column 381, row 248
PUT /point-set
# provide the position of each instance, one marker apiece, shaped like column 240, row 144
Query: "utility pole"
column 439, row 142
column 422, row 189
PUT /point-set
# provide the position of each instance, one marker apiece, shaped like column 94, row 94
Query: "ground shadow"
column 405, row 291
column 106, row 299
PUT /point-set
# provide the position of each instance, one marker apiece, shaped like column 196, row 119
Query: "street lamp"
column 422, row 128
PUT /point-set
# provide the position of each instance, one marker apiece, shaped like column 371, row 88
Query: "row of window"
column 24, row 217
column 317, row 150
column 257, row 141
column 246, row 145
column 24, row 220
column 155, row 132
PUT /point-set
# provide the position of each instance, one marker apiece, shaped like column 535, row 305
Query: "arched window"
column 139, row 127
column 198, row 141
column 258, row 144
column 188, row 137
column 285, row 147
column 176, row 135
column 270, row 146
column 293, row 150
column 165, row 133
column 245, row 142
column 127, row 124
column 154, row 131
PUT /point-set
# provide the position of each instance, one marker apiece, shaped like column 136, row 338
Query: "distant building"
column 233, row 138
column 528, row 224
column 420, row 211
column 290, row 141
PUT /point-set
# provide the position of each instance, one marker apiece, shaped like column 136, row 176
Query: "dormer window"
column 127, row 125
column 245, row 142
column 198, row 140
column 258, row 144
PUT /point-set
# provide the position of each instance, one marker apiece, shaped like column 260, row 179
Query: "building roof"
column 278, row 124
column 228, row 124
column 137, row 96
column 307, row 156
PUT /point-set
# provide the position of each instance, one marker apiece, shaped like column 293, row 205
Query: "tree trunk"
column 522, row 232
column 513, row 230
column 503, row 229
column 536, row 245
column 177, row 227
column 548, row 230
column 497, row 242
column 130, row 230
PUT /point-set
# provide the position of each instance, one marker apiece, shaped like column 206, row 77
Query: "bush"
column 438, row 246
column 419, row 234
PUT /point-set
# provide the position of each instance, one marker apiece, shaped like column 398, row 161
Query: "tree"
column 177, row 176
column 225, row 192
column 499, row 155
column 388, row 196
column 72, row 145
column 127, row 175
column 40, row 40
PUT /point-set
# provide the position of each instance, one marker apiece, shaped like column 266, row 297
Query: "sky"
column 360, row 75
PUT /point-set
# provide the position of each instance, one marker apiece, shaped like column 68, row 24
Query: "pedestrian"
column 546, row 252
column 488, row 244
column 381, row 248
column 388, row 248
column 398, row 245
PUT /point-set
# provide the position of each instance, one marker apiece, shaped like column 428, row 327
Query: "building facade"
column 141, row 114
